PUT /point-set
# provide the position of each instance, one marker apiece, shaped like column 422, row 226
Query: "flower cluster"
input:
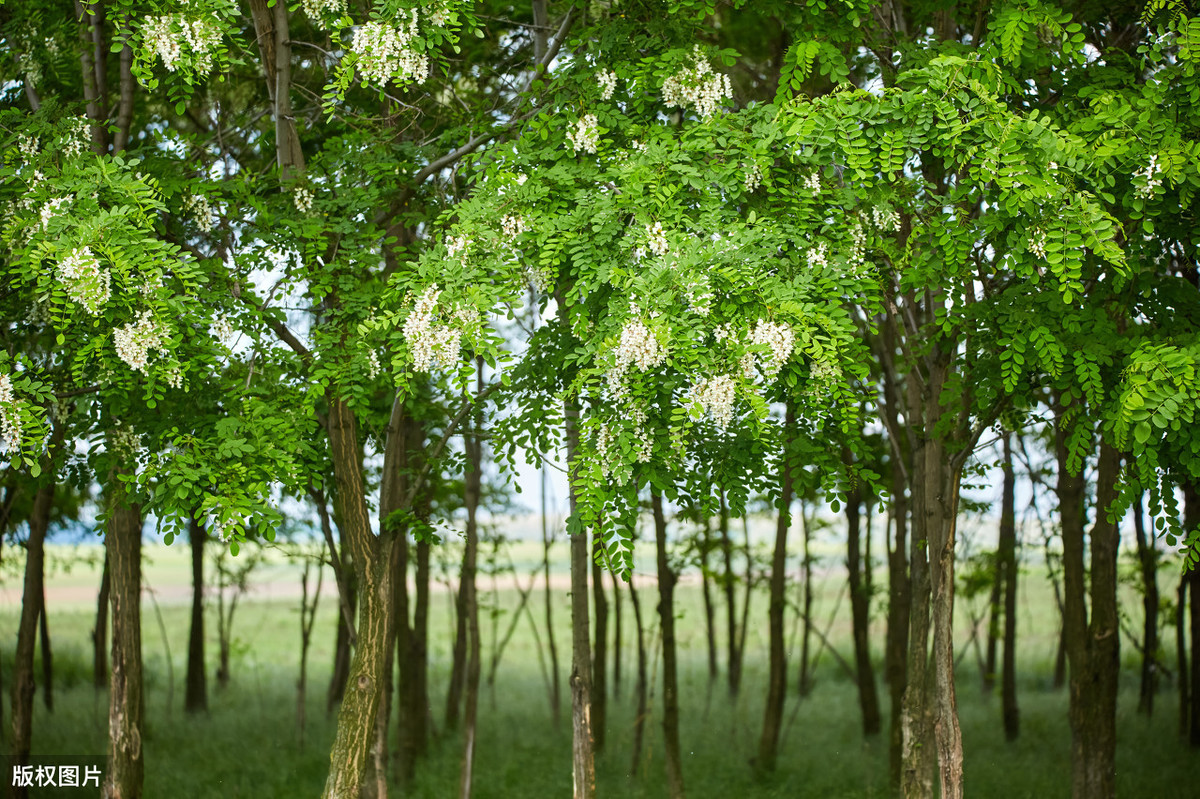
column 604, row 448
column 1037, row 243
column 456, row 245
column 753, row 177
column 27, row 146
column 512, row 225
column 86, row 283
column 608, row 83
column 780, row 340
column 715, row 396
column 818, row 256
column 387, row 53
column 50, row 210
column 10, row 421
column 373, row 365
column 302, row 197
column 586, row 136
column 77, row 137
column 885, row 218
column 1149, row 183
column 221, row 330
column 697, row 87
column 638, row 347
column 645, row 444
column 699, row 295
column 165, row 36
column 822, row 375
column 431, row 343
column 197, row 205
column 657, row 239
column 124, row 441
column 135, row 340
column 813, row 183
column 858, row 246
column 320, row 10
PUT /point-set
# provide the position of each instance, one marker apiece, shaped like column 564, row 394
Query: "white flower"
column 164, row 36
column 586, row 136
column 885, row 218
column 387, row 53
column 320, row 10
column 698, row 87
column 715, row 397
column 373, row 365
column 430, row 343
column 521, row 178
column 779, row 338
column 10, row 420
column 813, row 183
column 302, row 197
column 456, row 245
column 858, row 246
column 512, row 225
column 1149, row 184
column 197, row 205
column 135, row 340
column 818, row 256
column 1037, row 243
column 657, row 239
column 50, row 210
column 27, row 146
column 608, row 83
column 221, row 330
column 638, row 145
column 86, row 283
column 753, row 177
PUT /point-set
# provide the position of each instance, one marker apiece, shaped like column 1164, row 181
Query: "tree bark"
column 1181, row 654
column 860, row 601
column 458, row 653
column 471, row 496
column 617, row 639
column 23, row 687
column 710, row 623
column 1191, row 520
column 47, row 654
column 1092, row 646
column 729, row 585
column 196, row 690
column 1148, row 560
column 582, row 752
column 640, row 688
column 1007, row 557
column 342, row 649
column 899, row 603
column 599, row 652
column 100, row 630
column 804, row 684
column 666, row 616
column 123, row 543
column 555, row 692
column 777, row 677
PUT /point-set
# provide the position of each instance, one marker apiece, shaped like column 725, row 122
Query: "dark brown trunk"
column 471, row 496
column 710, row 623
column 196, row 691
column 555, row 691
column 640, row 688
column 582, row 753
column 617, row 639
column 47, row 655
column 100, row 630
column 419, row 648
column 123, row 779
column 666, row 616
column 1148, row 560
column 777, row 677
column 371, row 557
column 899, row 601
column 599, row 654
column 1007, row 557
column 860, row 609
column 1191, row 517
column 993, row 627
column 917, row 761
column 23, row 687
column 1181, row 654
column 729, row 585
column 804, row 683
column 342, row 649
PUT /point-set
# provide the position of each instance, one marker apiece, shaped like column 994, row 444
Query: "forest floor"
column 248, row 744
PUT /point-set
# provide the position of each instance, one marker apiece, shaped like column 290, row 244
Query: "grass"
column 247, row 745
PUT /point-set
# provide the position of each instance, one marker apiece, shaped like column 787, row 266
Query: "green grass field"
column 248, row 744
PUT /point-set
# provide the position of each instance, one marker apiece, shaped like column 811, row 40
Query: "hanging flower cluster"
column 512, row 225
column 608, row 83
column 135, row 340
column 10, row 421
column 657, row 239
column 431, row 342
column 885, row 218
column 302, row 198
column 753, row 177
column 321, row 10
column 586, row 136
column 1037, row 243
column 697, row 87
column 387, row 52
column 781, row 341
column 714, row 396
column 86, row 283
column 221, row 330
column 166, row 36
column 50, row 210
column 638, row 347
column 197, row 205
column 1148, row 183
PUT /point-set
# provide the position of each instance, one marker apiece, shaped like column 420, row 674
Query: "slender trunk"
column 308, row 615
column 666, row 616
column 993, row 627
column 729, row 585
column 1007, row 557
column 805, row 682
column 617, row 639
column 599, row 654
column 917, row 761
column 458, row 653
column 1181, row 653
column 583, row 759
column 471, row 500
column 1191, row 516
column 899, row 602
column 23, row 687
column 371, row 556
column 860, row 602
column 555, row 691
column 777, row 679
column 196, row 691
column 100, row 630
column 342, row 650
column 710, row 624
column 640, row 688
column 126, row 769
column 1148, row 560
column 419, row 648
column 47, row 654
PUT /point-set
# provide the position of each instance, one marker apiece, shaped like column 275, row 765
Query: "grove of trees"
column 366, row 258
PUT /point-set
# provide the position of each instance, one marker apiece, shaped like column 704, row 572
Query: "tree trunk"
column 860, row 608
column 1181, row 654
column 640, row 688
column 1007, row 560
column 555, row 691
column 710, row 624
column 47, row 654
column 599, row 653
column 993, row 627
column 474, row 445
column 899, row 602
column 805, row 682
column 126, row 768
column 196, row 691
column 100, row 630
column 777, row 678
column 582, row 754
column 1092, row 647
column 356, row 729
column 342, row 651
column 458, row 653
column 1148, row 560
column 1191, row 520
column 23, row 687
column 617, row 639
column 729, row 585
column 917, row 761
column 666, row 616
